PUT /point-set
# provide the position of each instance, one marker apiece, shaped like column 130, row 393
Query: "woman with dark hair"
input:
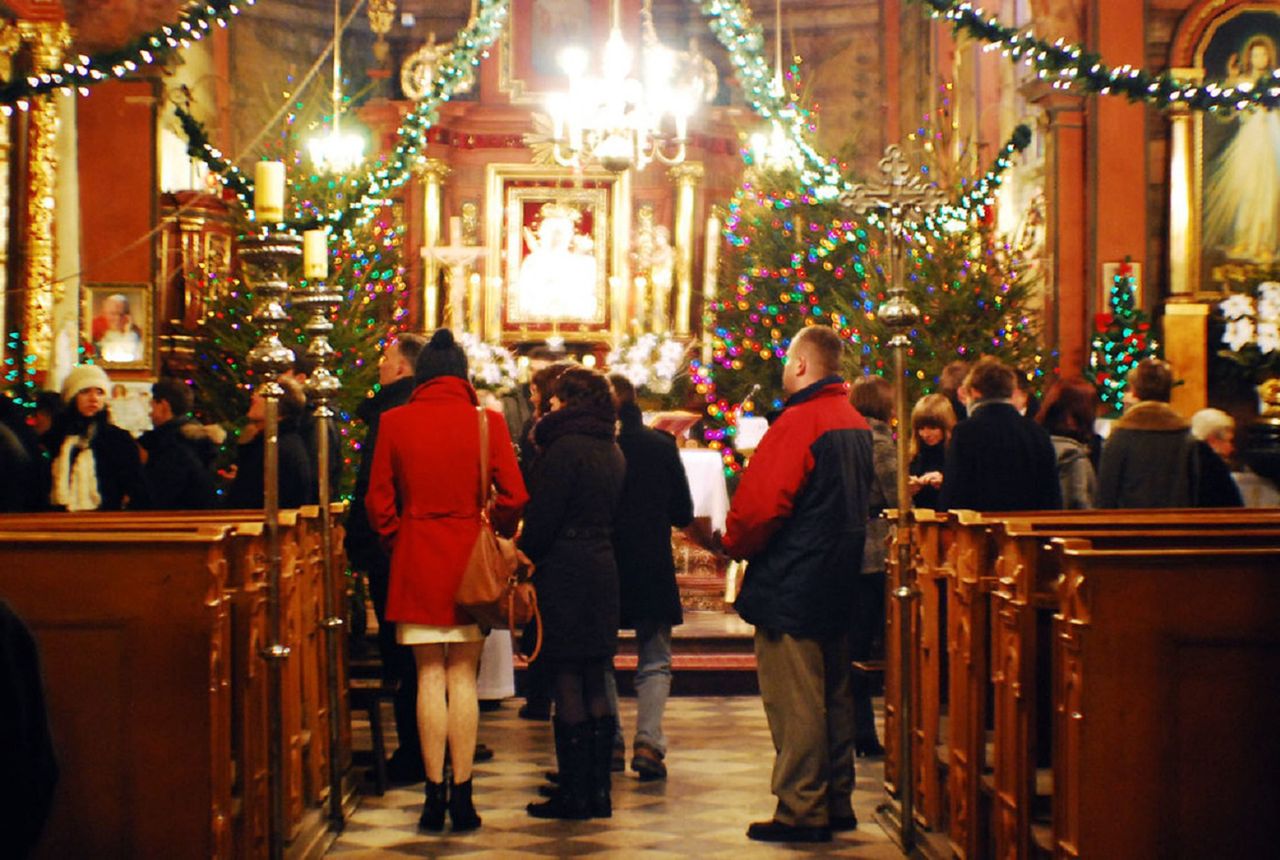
column 423, row 501
column 568, row 527
column 96, row 465
column 1067, row 413
column 296, row 479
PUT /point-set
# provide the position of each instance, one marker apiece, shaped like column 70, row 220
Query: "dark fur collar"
column 1151, row 415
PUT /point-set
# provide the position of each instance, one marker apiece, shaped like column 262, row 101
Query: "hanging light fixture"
column 776, row 151
column 616, row 119
column 337, row 152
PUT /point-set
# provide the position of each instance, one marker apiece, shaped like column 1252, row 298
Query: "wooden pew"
column 1166, row 666
column 1023, row 602
column 137, row 676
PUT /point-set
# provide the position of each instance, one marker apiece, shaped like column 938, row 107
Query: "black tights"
column 579, row 690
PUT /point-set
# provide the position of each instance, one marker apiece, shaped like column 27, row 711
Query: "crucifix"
column 458, row 257
column 902, row 195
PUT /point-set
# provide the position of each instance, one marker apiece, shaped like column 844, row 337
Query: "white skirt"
column 430, row 634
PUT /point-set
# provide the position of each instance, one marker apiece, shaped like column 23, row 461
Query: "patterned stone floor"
column 719, row 761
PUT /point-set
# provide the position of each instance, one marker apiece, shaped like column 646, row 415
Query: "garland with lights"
column 146, row 49
column 1075, row 66
column 1121, row 339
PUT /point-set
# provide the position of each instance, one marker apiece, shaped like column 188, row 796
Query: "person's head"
column 1216, row 429
column 873, row 397
column 85, row 389
column 1259, row 56
column 303, row 366
column 293, row 402
column 1152, row 379
column 624, row 391
column 814, row 353
column 932, row 419
column 991, row 378
column 399, row 357
column 49, row 405
column 543, row 382
column 170, row 399
column 115, row 308
column 583, row 389
column 1069, row 408
column 440, row 356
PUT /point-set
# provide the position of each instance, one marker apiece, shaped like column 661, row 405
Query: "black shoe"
column 647, row 761
column 869, row 748
column 488, row 706
column 841, row 823
column 462, row 812
column 532, row 711
column 483, row 753
column 432, row 818
column 404, row 768
column 776, row 831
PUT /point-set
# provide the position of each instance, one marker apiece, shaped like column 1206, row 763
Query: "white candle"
column 711, row 259
column 268, row 191
column 455, row 230
column 315, row 255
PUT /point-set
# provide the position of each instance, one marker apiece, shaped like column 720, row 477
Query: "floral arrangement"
column 490, row 366
column 1253, row 329
column 651, row 362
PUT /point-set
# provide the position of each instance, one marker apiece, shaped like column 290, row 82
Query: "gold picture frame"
column 118, row 325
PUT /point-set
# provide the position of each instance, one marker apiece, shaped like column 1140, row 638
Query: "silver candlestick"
column 265, row 259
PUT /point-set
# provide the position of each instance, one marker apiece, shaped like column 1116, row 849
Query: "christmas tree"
column 1122, row 338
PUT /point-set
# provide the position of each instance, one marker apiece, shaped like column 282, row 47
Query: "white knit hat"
column 84, row 376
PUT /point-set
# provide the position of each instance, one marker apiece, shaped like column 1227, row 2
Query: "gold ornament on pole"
column 902, row 195
column 382, row 13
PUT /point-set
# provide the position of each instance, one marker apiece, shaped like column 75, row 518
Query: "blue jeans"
column 652, row 682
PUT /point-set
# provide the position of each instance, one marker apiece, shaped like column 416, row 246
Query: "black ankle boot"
column 571, row 799
column 462, row 813
column 432, row 819
column 603, row 730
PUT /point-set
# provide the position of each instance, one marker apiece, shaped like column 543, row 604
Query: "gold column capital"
column 435, row 168
column 48, row 40
column 10, row 41
column 687, row 173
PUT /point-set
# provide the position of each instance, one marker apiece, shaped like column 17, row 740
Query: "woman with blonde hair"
column 932, row 420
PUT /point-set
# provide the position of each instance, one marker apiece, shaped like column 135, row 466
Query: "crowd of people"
column 591, row 494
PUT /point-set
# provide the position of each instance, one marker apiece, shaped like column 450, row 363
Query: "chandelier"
column 777, row 151
column 337, row 152
column 617, row 119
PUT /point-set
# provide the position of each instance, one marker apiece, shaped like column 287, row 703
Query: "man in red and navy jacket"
column 799, row 518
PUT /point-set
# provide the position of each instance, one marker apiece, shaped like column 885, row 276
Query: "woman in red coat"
column 423, row 502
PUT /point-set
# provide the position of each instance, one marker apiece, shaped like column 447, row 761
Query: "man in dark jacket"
column 365, row 554
column 997, row 459
column 655, row 497
column 799, row 517
column 178, row 451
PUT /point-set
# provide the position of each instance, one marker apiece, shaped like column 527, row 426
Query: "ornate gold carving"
column 10, row 41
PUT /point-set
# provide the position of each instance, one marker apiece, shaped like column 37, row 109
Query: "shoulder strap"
column 483, row 496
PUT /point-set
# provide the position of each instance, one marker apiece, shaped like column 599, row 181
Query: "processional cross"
column 900, row 197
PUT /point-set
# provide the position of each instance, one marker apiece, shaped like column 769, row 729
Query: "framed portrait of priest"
column 557, row 251
column 118, row 325
column 1237, row 164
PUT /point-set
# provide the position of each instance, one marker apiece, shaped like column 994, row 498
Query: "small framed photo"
column 119, row 325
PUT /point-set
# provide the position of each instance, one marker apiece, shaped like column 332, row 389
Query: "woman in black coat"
column 568, row 525
column 297, row 481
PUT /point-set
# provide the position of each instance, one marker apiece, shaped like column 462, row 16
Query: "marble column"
column 433, row 176
column 686, row 177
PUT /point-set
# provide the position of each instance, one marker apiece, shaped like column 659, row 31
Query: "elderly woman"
column 423, row 502
column 568, row 527
column 96, row 465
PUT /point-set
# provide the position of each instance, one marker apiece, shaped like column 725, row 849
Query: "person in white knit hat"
column 96, row 465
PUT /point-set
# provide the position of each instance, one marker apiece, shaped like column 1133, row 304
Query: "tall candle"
column 315, row 255
column 711, row 259
column 268, row 191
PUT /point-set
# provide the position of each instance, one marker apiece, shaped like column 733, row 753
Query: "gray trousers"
column 805, row 687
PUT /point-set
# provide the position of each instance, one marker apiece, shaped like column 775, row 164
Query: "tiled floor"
column 719, row 759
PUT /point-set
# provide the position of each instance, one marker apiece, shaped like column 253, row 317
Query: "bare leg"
column 432, row 711
column 464, row 712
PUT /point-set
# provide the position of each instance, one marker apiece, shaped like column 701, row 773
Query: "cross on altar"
column 458, row 257
column 901, row 195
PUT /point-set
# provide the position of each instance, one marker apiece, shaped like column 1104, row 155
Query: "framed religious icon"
column 118, row 325
column 537, row 30
column 557, row 253
column 1238, row 154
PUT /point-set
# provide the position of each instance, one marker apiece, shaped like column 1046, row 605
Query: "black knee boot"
column 553, row 776
column 603, row 730
column 571, row 800
column 462, row 812
column 432, row 819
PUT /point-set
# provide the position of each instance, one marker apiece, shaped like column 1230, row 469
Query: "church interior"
column 227, row 192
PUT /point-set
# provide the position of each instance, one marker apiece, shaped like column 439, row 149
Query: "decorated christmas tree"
column 1122, row 338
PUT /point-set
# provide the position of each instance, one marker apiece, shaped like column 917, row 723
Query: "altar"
column 700, row 573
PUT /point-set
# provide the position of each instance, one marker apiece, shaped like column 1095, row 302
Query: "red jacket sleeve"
column 766, row 494
column 504, row 471
column 380, row 501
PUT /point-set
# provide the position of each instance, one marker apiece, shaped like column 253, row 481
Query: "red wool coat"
column 422, row 495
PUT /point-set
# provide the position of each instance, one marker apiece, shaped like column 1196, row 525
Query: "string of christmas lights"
column 1121, row 339
column 1072, row 66
column 84, row 71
